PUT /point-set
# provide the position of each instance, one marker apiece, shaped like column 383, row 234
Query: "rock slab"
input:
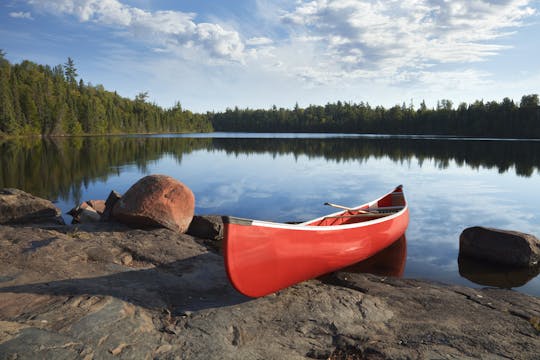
column 71, row 294
column 500, row 246
column 19, row 207
column 156, row 200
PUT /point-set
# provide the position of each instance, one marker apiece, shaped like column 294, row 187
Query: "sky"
column 214, row 54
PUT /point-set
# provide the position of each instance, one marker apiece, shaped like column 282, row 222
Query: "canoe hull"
column 264, row 257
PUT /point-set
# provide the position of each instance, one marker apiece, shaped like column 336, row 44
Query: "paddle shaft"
column 346, row 208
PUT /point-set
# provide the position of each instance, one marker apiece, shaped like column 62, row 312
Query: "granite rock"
column 156, row 200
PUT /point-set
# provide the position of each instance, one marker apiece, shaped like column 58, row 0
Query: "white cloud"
column 173, row 29
column 386, row 38
column 321, row 49
column 259, row 41
column 21, row 15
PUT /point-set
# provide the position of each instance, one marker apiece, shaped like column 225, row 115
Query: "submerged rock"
column 19, row 207
column 156, row 200
column 500, row 246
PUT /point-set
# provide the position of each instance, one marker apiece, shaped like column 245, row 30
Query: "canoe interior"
column 388, row 205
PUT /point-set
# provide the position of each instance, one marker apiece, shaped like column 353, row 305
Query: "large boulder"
column 19, row 207
column 500, row 246
column 156, row 200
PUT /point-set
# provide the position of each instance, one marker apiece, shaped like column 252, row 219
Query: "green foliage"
column 70, row 71
column 478, row 119
column 37, row 99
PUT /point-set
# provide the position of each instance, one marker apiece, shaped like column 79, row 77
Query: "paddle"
column 347, row 208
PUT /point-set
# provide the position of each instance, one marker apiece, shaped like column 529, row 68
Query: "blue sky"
column 213, row 54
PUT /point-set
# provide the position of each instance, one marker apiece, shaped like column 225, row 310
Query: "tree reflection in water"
column 60, row 167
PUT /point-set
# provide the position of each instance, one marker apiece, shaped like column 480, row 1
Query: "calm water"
column 451, row 184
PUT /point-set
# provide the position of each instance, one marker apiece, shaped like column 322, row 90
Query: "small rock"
column 164, row 348
column 97, row 205
column 84, row 214
column 19, row 207
column 88, row 215
column 117, row 350
column 500, row 246
column 170, row 329
column 207, row 227
column 157, row 200
column 126, row 259
column 112, row 199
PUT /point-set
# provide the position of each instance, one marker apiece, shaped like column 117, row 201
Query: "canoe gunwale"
column 304, row 226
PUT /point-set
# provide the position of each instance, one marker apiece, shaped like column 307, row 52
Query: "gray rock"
column 207, row 227
column 19, row 207
column 84, row 213
column 112, row 199
column 73, row 299
column 500, row 246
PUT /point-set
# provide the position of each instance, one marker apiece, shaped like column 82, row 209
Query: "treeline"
column 480, row 119
column 39, row 99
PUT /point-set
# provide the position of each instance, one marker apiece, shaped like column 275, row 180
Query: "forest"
column 43, row 100
column 494, row 119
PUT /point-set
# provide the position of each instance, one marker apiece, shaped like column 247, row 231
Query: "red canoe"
column 262, row 257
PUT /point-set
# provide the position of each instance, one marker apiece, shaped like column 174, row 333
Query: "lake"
column 450, row 183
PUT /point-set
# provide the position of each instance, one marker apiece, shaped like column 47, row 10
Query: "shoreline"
column 305, row 134
column 104, row 290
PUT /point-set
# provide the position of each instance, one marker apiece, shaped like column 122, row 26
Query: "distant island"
column 43, row 100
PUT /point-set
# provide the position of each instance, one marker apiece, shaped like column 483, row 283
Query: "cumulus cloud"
column 255, row 41
column 327, row 41
column 389, row 37
column 173, row 29
column 21, row 15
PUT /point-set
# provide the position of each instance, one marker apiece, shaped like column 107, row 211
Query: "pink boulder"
column 98, row 205
column 156, row 200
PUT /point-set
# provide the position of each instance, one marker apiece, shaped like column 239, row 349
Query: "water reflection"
column 60, row 167
column 488, row 274
column 388, row 262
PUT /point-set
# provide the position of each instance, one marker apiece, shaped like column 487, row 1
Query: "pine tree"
column 70, row 71
column 8, row 121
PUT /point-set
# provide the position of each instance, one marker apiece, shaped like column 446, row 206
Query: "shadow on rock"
column 190, row 284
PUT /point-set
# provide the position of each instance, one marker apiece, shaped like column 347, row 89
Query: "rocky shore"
column 107, row 291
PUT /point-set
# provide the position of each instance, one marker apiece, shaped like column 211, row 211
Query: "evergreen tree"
column 8, row 121
column 70, row 71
